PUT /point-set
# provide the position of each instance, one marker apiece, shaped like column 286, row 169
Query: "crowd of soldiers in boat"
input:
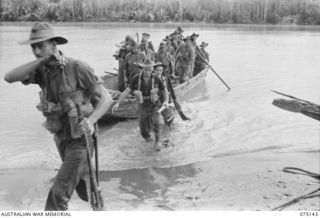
column 147, row 74
column 180, row 57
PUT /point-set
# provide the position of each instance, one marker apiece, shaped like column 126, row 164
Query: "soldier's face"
column 147, row 71
column 162, row 48
column 43, row 49
column 158, row 71
column 145, row 38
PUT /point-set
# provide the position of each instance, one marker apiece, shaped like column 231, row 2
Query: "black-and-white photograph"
column 159, row 105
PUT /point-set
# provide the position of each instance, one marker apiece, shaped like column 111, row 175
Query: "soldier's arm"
column 192, row 54
column 105, row 101
column 23, row 72
column 124, row 94
column 121, row 97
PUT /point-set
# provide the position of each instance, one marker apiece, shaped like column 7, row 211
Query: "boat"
column 129, row 106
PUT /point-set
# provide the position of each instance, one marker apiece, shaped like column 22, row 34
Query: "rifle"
column 175, row 101
column 206, row 62
column 96, row 199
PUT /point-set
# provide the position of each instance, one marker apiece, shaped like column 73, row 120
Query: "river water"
column 251, row 59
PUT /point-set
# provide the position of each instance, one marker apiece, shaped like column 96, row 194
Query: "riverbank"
column 250, row 182
column 213, row 11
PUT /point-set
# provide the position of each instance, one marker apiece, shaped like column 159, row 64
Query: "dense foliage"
column 209, row 11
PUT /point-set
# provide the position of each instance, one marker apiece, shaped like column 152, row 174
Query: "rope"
column 296, row 200
column 294, row 170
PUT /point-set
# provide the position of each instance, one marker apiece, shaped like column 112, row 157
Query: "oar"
column 175, row 101
column 206, row 62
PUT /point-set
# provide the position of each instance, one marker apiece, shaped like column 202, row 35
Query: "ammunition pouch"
column 52, row 112
column 63, row 116
column 138, row 95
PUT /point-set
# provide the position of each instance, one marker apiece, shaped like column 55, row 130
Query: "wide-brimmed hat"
column 158, row 63
column 42, row 32
column 204, row 44
column 146, row 63
column 194, row 35
column 187, row 38
column 146, row 34
column 163, row 44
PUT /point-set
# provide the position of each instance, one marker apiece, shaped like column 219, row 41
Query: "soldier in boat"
column 120, row 56
column 165, row 58
column 130, row 68
column 184, row 60
column 202, row 59
column 146, row 41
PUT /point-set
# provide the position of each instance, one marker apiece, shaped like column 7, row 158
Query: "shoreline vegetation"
column 300, row 12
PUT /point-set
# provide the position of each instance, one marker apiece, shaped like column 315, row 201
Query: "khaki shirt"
column 57, row 81
column 185, row 54
column 167, row 60
column 130, row 66
column 65, row 86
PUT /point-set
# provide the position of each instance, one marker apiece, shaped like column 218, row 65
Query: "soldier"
column 147, row 51
column 169, row 48
column 148, row 88
column 179, row 32
column 194, row 38
column 184, row 59
column 120, row 56
column 165, row 58
column 201, row 58
column 130, row 68
column 167, row 113
column 174, row 42
column 65, row 83
column 146, row 40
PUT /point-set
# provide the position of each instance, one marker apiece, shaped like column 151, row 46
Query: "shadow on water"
column 147, row 183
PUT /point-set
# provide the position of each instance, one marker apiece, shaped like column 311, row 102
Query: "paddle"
column 206, row 62
column 175, row 101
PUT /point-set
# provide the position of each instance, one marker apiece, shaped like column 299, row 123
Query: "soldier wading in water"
column 67, row 85
column 147, row 87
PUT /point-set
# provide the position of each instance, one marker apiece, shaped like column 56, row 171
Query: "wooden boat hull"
column 129, row 107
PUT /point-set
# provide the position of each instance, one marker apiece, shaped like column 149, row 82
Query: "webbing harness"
column 139, row 86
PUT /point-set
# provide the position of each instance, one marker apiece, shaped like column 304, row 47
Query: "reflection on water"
column 148, row 182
